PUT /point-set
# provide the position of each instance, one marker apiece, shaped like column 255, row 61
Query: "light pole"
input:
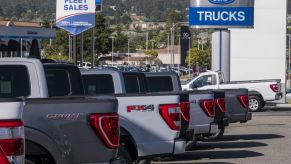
column 189, row 57
column 289, row 56
column 112, row 49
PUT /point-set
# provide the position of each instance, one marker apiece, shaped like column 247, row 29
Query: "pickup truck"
column 12, row 139
column 150, row 122
column 231, row 105
column 260, row 91
column 60, row 126
column 202, row 104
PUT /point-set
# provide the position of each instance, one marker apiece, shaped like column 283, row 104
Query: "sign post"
column 75, row 17
column 221, row 15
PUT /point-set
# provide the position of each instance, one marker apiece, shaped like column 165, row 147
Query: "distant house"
column 147, row 25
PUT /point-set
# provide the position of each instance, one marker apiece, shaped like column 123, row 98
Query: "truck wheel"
column 255, row 103
column 191, row 144
column 124, row 155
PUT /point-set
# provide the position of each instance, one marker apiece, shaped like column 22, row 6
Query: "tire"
column 191, row 144
column 255, row 103
column 124, row 155
column 213, row 137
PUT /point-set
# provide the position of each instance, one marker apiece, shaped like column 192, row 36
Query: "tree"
column 172, row 18
column 152, row 53
column 201, row 57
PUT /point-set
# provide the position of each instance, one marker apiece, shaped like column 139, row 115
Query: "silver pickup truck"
column 150, row 122
column 61, row 127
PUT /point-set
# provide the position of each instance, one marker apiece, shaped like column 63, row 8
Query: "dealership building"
column 19, row 39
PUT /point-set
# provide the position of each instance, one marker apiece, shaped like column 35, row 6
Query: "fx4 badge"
column 141, row 108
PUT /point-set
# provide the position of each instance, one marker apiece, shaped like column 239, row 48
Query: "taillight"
column 208, row 107
column 244, row 100
column 171, row 113
column 107, row 128
column 220, row 103
column 275, row 87
column 11, row 141
column 185, row 110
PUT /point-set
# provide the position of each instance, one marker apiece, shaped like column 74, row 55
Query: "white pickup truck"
column 260, row 91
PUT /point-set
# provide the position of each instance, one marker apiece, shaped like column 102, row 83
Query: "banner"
column 75, row 16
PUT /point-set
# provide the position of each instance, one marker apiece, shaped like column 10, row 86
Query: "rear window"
column 160, row 84
column 58, row 82
column 98, row 84
column 14, row 81
column 135, row 84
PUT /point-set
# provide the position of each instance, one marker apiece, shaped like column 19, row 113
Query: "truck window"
column 14, row 81
column 205, row 81
column 58, row 82
column 98, row 84
column 134, row 83
column 160, row 84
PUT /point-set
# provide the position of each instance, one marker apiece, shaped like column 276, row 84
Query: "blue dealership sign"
column 98, row 2
column 221, row 13
column 222, row 16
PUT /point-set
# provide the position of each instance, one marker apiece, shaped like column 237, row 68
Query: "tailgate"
column 236, row 106
column 199, row 120
column 64, row 122
column 140, row 116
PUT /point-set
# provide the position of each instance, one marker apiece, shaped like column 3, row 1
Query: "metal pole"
column 82, row 49
column 92, row 49
column 75, row 50
column 21, row 53
column 168, row 45
column 173, row 46
column 112, row 49
column 289, row 57
column 147, row 44
column 189, row 57
column 70, row 47
column 128, row 52
column 179, row 53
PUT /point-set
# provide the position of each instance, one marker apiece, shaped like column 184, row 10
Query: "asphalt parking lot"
column 264, row 140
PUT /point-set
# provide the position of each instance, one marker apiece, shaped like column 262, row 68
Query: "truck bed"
column 45, row 119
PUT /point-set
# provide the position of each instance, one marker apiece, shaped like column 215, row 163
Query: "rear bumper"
column 180, row 146
column 249, row 116
column 278, row 96
column 211, row 128
column 240, row 117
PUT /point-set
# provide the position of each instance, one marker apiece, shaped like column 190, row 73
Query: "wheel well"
column 37, row 153
column 255, row 93
column 128, row 142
